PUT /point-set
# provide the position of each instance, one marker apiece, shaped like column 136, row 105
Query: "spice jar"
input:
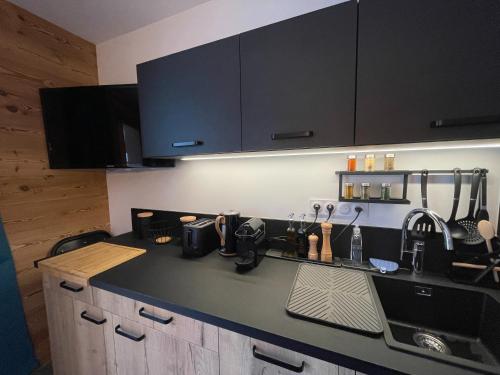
column 369, row 162
column 389, row 162
column 386, row 192
column 348, row 190
column 351, row 163
column 365, row 190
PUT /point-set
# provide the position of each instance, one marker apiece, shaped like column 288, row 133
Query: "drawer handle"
column 277, row 362
column 147, row 315
column 291, row 135
column 119, row 331
column 84, row 315
column 65, row 285
column 451, row 122
column 187, row 144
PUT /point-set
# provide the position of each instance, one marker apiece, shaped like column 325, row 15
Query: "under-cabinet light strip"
column 459, row 145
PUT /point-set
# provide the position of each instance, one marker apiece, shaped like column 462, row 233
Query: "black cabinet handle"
column 277, row 362
column 465, row 121
column 187, row 144
column 155, row 318
column 128, row 335
column 64, row 285
column 291, row 135
column 84, row 315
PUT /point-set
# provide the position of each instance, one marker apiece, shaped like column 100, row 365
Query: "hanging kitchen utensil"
column 424, row 226
column 482, row 212
column 486, row 270
column 487, row 231
column 469, row 222
column 457, row 231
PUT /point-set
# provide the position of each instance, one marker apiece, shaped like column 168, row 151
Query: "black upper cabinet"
column 428, row 70
column 298, row 81
column 190, row 101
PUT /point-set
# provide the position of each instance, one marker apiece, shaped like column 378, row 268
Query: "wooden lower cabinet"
column 90, row 345
column 179, row 326
column 143, row 350
column 242, row 355
column 60, row 316
column 88, row 339
column 76, row 329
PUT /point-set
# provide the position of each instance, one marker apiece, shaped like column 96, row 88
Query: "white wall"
column 265, row 187
column 210, row 21
column 273, row 187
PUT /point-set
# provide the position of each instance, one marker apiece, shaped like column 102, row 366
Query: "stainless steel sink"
column 453, row 325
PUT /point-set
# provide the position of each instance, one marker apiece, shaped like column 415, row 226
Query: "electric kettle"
column 230, row 221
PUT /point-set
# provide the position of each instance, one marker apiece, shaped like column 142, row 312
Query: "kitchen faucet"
column 418, row 246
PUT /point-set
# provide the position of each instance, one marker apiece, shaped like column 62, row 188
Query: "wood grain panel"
column 80, row 265
column 40, row 206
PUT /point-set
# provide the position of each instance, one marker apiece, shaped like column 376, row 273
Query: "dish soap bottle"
column 356, row 246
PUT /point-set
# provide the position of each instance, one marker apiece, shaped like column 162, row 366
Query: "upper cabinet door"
column 428, row 70
column 190, row 101
column 298, row 81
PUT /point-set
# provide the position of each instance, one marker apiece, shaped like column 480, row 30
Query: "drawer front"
column 122, row 306
column 144, row 350
column 68, row 288
column 179, row 326
column 242, row 355
column 191, row 330
column 90, row 347
column 130, row 350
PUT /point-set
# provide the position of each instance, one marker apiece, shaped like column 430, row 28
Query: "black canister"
column 143, row 224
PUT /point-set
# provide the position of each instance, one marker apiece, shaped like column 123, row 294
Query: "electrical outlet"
column 323, row 212
column 343, row 210
column 312, row 203
column 346, row 210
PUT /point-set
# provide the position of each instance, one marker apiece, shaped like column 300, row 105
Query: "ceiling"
column 100, row 20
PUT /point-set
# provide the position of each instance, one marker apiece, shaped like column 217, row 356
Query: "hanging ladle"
column 457, row 231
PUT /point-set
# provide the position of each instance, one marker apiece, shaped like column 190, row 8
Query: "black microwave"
column 92, row 126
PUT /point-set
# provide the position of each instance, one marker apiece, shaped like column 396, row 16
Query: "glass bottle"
column 348, row 190
column 369, row 162
column 351, row 163
column 386, row 192
column 356, row 246
column 389, row 162
column 365, row 190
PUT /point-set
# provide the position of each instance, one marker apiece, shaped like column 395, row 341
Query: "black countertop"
column 253, row 304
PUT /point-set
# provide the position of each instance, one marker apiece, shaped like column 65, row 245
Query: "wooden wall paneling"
column 40, row 206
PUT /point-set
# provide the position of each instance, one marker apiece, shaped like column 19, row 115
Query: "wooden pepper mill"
column 326, row 249
column 313, row 247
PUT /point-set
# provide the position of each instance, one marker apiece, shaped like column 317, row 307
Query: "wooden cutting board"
column 80, row 265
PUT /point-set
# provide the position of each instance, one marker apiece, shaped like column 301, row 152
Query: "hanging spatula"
column 482, row 212
column 469, row 222
column 457, row 231
column 424, row 226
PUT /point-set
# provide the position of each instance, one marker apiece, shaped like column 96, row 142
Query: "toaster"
column 199, row 238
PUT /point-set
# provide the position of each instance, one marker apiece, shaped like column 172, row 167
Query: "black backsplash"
column 383, row 243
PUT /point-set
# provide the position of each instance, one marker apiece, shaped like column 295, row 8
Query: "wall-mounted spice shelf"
column 402, row 200
column 375, row 173
column 404, row 173
column 376, row 200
